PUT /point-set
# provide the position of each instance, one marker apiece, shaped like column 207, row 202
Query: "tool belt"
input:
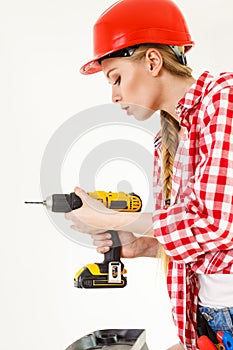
column 207, row 338
column 203, row 328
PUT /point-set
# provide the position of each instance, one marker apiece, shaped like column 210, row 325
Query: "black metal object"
column 112, row 339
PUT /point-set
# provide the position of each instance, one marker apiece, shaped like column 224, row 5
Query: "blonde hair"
column 169, row 126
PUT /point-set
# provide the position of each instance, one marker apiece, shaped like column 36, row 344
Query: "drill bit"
column 34, row 203
column 60, row 203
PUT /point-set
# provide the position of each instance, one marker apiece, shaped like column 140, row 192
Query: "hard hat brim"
column 94, row 66
column 91, row 67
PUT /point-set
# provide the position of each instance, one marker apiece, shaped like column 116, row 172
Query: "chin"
column 139, row 112
column 142, row 116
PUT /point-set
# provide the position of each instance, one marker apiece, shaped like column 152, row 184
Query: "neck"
column 175, row 87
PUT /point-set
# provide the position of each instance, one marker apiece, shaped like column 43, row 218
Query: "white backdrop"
column 43, row 44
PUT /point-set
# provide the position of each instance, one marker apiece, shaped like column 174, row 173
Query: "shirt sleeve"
column 202, row 222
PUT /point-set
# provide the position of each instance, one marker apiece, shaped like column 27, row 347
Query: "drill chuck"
column 63, row 203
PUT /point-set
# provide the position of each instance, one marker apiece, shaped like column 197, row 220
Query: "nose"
column 115, row 100
column 115, row 96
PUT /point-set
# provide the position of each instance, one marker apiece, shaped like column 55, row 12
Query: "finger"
column 102, row 243
column 101, row 236
column 103, row 250
column 79, row 228
column 76, row 228
column 80, row 192
column 69, row 215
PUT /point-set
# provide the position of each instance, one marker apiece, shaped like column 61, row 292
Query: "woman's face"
column 133, row 86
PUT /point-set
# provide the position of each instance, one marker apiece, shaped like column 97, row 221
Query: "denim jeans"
column 218, row 319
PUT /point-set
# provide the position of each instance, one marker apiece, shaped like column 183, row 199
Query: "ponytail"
column 170, row 141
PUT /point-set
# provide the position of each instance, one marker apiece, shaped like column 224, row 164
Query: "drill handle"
column 114, row 254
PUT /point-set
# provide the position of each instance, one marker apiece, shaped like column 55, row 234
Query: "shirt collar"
column 191, row 99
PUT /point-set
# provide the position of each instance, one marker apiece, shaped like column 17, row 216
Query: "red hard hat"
column 130, row 22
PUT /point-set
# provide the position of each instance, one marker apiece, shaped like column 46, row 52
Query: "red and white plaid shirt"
column 197, row 228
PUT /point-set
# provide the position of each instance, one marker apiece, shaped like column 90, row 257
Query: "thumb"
column 81, row 193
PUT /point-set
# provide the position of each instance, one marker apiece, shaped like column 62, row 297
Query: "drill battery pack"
column 108, row 274
column 112, row 339
column 100, row 275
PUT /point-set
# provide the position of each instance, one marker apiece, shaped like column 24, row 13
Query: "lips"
column 126, row 108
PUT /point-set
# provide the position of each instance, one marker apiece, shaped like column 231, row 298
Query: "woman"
column 141, row 48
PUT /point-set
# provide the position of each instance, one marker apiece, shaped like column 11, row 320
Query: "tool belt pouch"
column 203, row 328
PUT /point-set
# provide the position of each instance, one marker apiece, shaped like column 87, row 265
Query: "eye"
column 117, row 81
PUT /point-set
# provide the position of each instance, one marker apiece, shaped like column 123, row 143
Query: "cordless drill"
column 111, row 272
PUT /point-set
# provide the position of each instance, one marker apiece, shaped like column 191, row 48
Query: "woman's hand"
column 131, row 245
column 93, row 217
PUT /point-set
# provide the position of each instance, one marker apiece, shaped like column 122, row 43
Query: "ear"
column 154, row 61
